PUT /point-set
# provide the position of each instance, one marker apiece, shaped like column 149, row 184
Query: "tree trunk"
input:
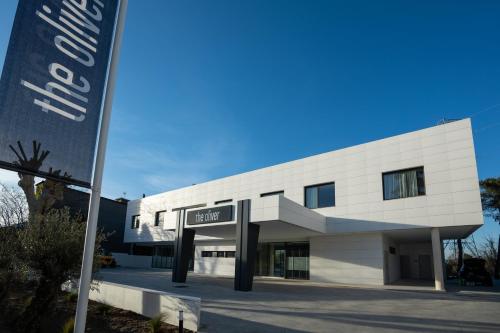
column 460, row 260
column 497, row 264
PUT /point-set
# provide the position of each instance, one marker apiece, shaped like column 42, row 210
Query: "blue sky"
column 213, row 88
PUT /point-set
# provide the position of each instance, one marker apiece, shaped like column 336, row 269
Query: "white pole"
column 95, row 195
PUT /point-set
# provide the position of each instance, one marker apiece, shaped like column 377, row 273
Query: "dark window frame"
column 223, row 201
column 319, row 185
column 402, row 170
column 269, row 194
column 157, row 215
column 218, row 254
column 206, row 254
column 136, row 221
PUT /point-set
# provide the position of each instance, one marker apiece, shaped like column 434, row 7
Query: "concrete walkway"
column 297, row 306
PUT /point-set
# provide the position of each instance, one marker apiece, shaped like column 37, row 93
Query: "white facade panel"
column 346, row 242
column 446, row 152
column 353, row 259
column 214, row 265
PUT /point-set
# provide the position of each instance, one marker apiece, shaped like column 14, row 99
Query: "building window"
column 222, row 201
column 159, row 218
column 320, row 196
column 403, row 183
column 268, row 194
column 135, row 221
column 206, row 254
column 218, row 254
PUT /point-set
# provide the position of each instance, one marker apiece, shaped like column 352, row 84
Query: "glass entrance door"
column 285, row 260
column 297, row 261
column 279, row 262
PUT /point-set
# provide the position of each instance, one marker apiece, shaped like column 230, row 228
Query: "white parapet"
column 126, row 260
column 147, row 302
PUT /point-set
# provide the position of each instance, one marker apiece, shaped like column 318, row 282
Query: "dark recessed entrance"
column 285, row 260
column 163, row 257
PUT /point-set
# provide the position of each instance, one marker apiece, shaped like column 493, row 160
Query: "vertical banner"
column 52, row 87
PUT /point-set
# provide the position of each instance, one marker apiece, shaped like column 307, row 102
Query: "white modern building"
column 374, row 213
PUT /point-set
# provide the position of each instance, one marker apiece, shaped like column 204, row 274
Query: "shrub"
column 71, row 297
column 103, row 308
column 69, row 325
column 50, row 249
column 155, row 323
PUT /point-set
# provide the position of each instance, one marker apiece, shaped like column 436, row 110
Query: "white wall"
column 392, row 265
column 214, row 266
column 348, row 259
column 446, row 152
column 150, row 303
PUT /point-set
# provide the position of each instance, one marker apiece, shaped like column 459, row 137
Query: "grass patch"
column 154, row 324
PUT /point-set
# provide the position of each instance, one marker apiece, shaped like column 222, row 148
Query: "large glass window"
column 403, row 183
column 159, row 218
column 135, row 221
column 163, row 256
column 287, row 260
column 319, row 196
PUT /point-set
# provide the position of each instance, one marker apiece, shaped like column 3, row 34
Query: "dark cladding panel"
column 183, row 249
column 247, row 236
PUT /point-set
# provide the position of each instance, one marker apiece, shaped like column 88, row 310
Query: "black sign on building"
column 210, row 215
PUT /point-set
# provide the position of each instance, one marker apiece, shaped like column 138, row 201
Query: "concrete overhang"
column 279, row 218
column 423, row 234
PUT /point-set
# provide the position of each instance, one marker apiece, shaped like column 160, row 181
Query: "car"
column 107, row 261
column 474, row 273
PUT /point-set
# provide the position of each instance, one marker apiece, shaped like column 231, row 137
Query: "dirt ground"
column 100, row 319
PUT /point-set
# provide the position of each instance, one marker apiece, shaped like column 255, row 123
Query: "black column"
column 183, row 249
column 247, row 237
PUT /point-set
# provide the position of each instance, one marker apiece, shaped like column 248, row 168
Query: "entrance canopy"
column 279, row 218
column 423, row 234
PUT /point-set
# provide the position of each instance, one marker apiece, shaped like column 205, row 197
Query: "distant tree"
column 490, row 199
column 13, row 211
column 460, row 259
column 13, row 206
column 489, row 251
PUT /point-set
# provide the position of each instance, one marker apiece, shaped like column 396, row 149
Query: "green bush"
column 155, row 323
column 71, row 297
column 69, row 325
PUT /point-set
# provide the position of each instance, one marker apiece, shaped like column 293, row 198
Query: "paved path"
column 294, row 306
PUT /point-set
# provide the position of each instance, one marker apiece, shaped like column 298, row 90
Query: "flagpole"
column 95, row 195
